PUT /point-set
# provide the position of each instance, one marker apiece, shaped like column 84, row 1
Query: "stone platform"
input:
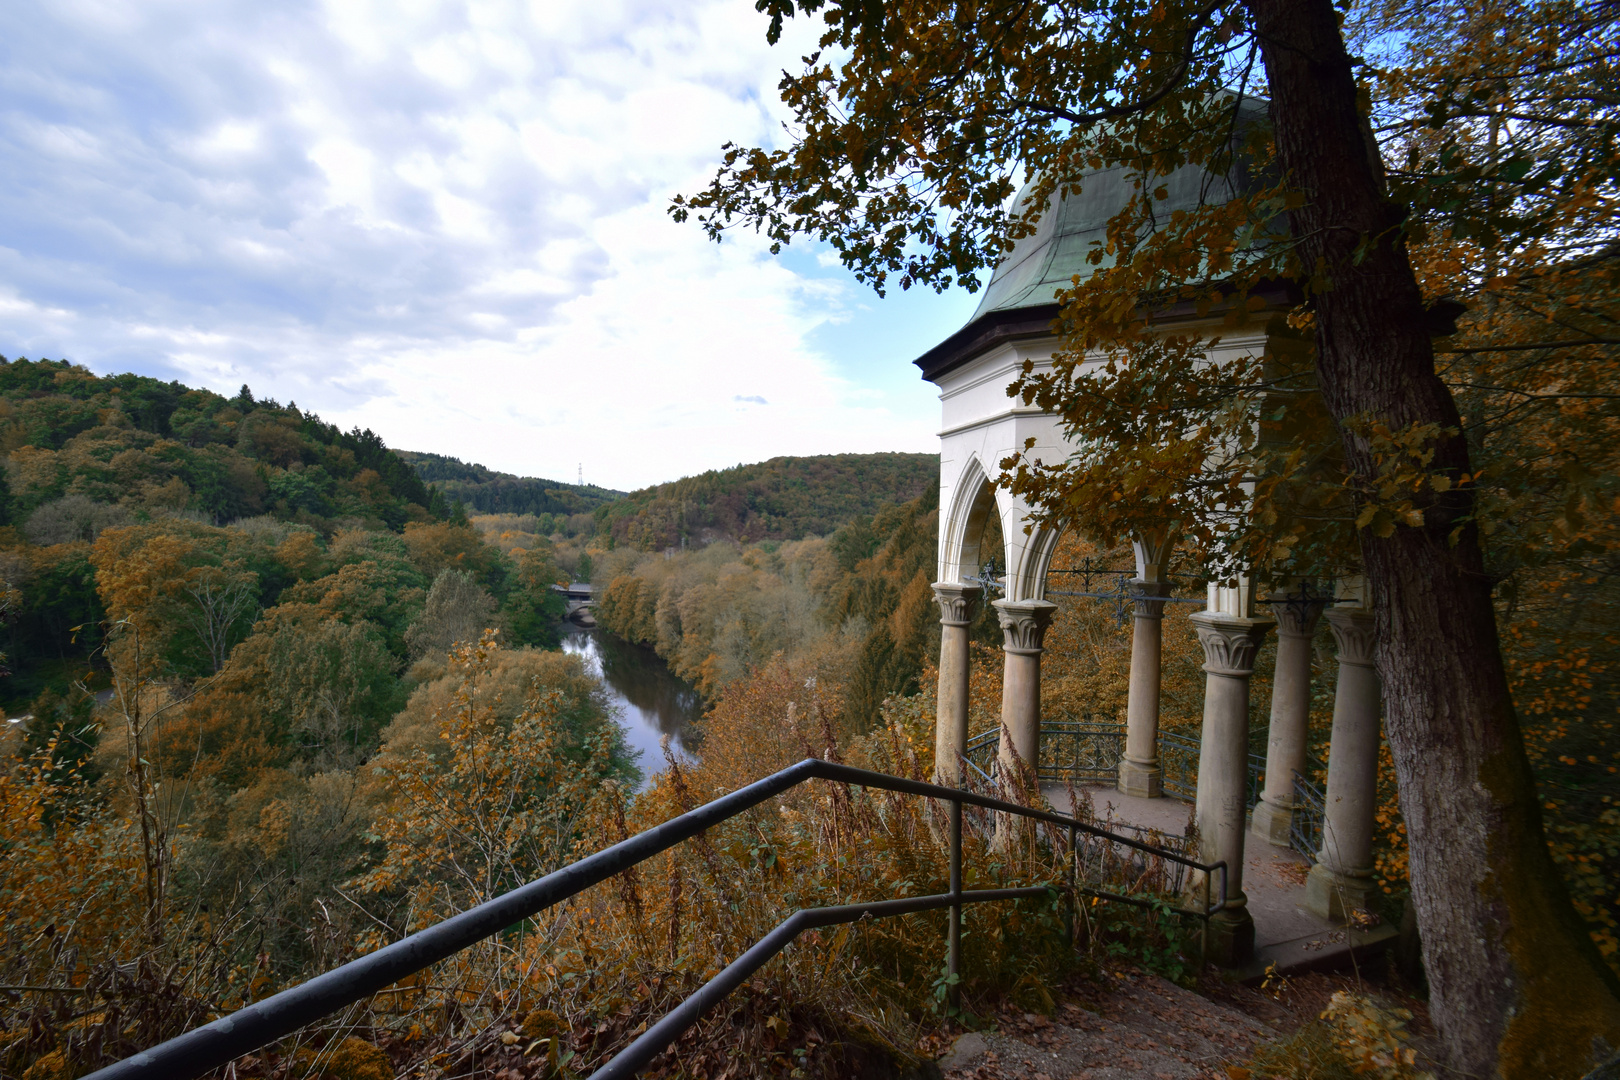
column 1285, row 933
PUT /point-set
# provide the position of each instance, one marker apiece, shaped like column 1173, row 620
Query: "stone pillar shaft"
column 957, row 606
column 1230, row 643
column 1139, row 771
column 1023, row 627
column 1290, row 717
column 1341, row 880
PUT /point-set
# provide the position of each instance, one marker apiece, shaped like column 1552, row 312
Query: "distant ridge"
column 785, row 498
column 487, row 491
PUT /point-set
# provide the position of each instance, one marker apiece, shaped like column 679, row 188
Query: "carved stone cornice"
column 1230, row 642
column 958, row 602
column 1024, row 623
column 1355, row 634
column 1146, row 606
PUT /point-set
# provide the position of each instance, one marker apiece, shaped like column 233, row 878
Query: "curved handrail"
column 211, row 1046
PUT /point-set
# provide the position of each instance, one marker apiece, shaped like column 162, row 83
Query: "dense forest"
column 858, row 601
column 85, row 455
column 277, row 701
column 785, row 498
column 486, row 491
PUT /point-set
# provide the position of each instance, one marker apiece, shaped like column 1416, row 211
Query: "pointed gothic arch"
column 973, row 500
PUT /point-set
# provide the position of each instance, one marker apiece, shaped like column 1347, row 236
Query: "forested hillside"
column 88, row 457
column 487, row 491
column 276, row 705
column 144, row 445
column 785, row 498
column 242, row 645
column 857, row 603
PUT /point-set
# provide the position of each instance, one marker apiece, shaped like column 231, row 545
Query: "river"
column 650, row 701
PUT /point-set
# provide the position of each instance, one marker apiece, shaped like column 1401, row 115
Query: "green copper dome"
column 1020, row 300
column 1045, row 263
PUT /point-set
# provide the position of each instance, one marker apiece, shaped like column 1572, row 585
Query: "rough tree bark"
column 1518, row 989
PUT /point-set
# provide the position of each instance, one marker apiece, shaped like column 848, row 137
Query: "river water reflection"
column 650, row 700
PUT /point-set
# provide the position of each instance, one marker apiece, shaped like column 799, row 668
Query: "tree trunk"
column 1517, row 986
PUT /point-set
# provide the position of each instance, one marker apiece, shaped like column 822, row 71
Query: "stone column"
column 1290, row 715
column 1342, row 877
column 1023, row 628
column 957, row 605
column 1230, row 643
column 1139, row 772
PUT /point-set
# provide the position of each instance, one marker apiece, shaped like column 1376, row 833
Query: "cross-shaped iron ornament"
column 990, row 578
column 1299, row 603
column 1122, row 595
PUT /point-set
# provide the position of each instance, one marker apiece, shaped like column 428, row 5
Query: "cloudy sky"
column 444, row 221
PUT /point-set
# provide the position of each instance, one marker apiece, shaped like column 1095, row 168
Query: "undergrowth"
column 560, row 994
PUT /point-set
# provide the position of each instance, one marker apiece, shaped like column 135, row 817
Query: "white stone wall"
column 981, row 426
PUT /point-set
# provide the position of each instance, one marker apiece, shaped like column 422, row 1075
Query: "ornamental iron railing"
column 1178, row 762
column 214, row 1045
column 1305, row 823
column 1089, row 750
column 1082, row 751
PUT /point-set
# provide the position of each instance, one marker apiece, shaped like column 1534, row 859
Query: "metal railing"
column 1089, row 751
column 1178, row 763
column 1084, row 750
column 213, row 1045
column 1305, row 824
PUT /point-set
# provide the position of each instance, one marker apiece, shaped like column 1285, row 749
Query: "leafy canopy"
column 915, row 123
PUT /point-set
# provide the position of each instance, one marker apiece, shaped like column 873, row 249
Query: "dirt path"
column 1132, row 1025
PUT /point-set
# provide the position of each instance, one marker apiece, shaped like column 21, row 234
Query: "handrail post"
column 1203, row 935
column 953, row 963
column 1074, row 887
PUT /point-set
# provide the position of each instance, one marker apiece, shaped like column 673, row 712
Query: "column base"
column 1333, row 895
column 1231, row 938
column 1143, row 781
column 1273, row 824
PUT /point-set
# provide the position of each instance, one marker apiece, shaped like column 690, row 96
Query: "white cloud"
column 444, row 221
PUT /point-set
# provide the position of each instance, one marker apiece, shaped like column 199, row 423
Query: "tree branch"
column 1533, row 346
column 1165, row 89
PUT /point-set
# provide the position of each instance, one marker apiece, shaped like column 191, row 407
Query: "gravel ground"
column 1131, row 1025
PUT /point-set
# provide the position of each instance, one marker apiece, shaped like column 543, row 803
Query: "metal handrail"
column 211, row 1046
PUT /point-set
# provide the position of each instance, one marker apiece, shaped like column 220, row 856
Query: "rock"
column 965, row 1049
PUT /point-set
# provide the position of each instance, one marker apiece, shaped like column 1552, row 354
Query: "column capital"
column 1024, row 623
column 1230, row 642
column 1147, row 597
column 1355, row 633
column 1152, row 548
column 1296, row 613
column 957, row 602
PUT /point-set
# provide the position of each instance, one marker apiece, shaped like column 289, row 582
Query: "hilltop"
column 785, row 498
column 488, row 491
column 84, row 451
